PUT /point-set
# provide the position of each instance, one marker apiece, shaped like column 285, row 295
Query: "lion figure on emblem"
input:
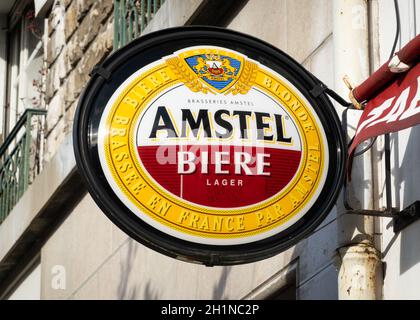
column 228, row 67
column 201, row 64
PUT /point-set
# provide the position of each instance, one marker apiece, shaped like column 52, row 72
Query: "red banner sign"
column 395, row 108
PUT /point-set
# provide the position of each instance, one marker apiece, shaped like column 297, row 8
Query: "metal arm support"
column 401, row 219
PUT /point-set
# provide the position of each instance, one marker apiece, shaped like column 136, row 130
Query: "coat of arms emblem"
column 219, row 71
column 216, row 70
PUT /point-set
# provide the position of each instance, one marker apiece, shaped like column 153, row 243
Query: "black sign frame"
column 109, row 75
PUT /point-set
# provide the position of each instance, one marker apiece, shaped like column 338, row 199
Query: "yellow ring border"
column 176, row 201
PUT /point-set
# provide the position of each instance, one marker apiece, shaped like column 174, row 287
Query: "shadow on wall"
column 353, row 226
column 220, row 286
column 359, row 185
column 125, row 290
column 149, row 293
column 136, row 283
column 407, row 178
column 130, row 280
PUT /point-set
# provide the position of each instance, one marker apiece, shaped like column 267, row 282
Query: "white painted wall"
column 401, row 252
column 30, row 288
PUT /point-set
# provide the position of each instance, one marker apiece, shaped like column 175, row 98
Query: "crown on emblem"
column 213, row 57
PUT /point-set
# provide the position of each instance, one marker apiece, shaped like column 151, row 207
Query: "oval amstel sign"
column 206, row 145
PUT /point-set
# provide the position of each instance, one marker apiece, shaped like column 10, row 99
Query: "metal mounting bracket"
column 407, row 216
column 401, row 219
column 100, row 71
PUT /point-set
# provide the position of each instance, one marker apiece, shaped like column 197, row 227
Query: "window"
column 24, row 64
column 21, row 75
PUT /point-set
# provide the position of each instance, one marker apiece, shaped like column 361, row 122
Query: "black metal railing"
column 15, row 162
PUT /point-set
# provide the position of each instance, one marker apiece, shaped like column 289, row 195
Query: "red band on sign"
column 202, row 185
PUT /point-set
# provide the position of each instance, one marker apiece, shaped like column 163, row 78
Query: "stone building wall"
column 80, row 35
